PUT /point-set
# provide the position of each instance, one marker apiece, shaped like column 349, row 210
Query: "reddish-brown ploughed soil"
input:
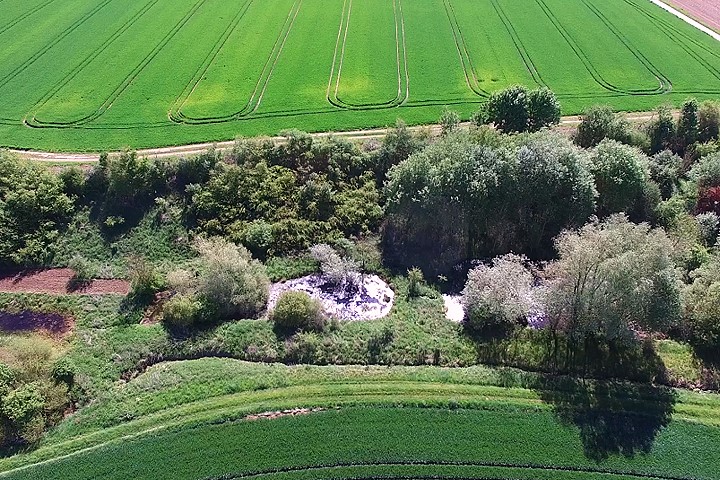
column 57, row 281
column 25, row 321
column 704, row 11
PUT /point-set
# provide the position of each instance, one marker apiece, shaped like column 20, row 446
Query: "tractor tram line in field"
column 260, row 86
column 665, row 83
column 465, row 58
column 339, row 59
column 25, row 15
column 377, row 47
column 681, row 39
column 583, row 57
column 31, row 119
column 175, row 113
column 47, row 47
column 107, row 103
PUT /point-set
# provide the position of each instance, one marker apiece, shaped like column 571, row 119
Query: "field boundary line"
column 45, row 48
column 687, row 19
column 23, row 16
column 353, row 392
column 107, row 103
column 30, row 119
column 198, row 148
column 258, row 93
column 234, row 406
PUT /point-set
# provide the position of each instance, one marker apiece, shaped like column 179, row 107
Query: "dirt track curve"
column 197, row 148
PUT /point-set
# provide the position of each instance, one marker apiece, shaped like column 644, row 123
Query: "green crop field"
column 187, row 420
column 96, row 74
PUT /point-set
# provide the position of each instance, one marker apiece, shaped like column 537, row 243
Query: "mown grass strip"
column 185, row 405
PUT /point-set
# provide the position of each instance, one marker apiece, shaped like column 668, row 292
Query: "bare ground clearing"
column 57, row 281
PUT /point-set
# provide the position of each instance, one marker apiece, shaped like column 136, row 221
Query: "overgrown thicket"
column 36, row 389
column 281, row 198
column 33, row 211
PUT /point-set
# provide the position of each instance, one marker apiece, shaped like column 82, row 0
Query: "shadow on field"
column 613, row 418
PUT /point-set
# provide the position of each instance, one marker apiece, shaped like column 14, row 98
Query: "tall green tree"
column 621, row 178
column 34, row 209
column 688, row 124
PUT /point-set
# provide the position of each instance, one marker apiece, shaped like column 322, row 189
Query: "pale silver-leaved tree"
column 498, row 295
column 612, row 279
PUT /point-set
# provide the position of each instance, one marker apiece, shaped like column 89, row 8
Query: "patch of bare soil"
column 704, row 11
column 283, row 413
column 53, row 324
column 58, row 281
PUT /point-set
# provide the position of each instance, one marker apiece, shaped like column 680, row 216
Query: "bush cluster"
column 296, row 310
column 228, row 284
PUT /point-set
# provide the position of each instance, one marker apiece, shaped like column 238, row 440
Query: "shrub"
column 508, row 109
column 73, row 180
column 181, row 311
column 342, row 272
column 621, row 178
column 259, row 237
column 231, row 284
column 665, row 170
column 516, row 109
column 496, row 297
column 145, row 281
column 598, row 123
column 612, row 278
column 706, row 173
column 709, row 224
column 449, row 121
column 702, row 308
column 33, row 211
column 415, row 282
column 7, row 378
column 63, row 370
column 709, row 200
column 543, row 109
column 662, row 131
column 82, row 271
column 687, row 127
column 297, row 311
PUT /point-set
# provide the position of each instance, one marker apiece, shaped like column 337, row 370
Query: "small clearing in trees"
column 373, row 299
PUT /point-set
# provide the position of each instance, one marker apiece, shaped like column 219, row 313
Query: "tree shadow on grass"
column 613, row 418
